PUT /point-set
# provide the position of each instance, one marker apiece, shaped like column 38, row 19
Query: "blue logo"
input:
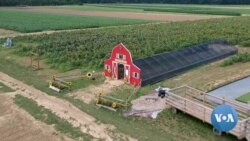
column 224, row 118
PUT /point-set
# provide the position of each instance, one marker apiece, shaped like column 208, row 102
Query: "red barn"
column 153, row 69
column 120, row 66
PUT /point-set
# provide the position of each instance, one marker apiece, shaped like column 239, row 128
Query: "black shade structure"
column 162, row 66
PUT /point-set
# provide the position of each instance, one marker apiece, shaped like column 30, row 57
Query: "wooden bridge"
column 200, row 105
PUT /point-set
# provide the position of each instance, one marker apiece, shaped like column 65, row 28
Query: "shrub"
column 240, row 58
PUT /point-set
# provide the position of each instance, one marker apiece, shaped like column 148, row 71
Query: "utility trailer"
column 64, row 82
column 112, row 103
column 200, row 105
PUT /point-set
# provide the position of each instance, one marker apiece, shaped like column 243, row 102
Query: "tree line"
column 37, row 2
column 68, row 2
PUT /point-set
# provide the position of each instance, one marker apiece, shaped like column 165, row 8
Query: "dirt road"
column 17, row 125
column 63, row 109
column 4, row 32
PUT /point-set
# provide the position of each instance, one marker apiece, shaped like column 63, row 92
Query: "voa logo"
column 224, row 118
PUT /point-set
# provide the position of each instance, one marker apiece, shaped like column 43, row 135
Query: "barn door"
column 121, row 71
column 114, row 70
column 127, row 72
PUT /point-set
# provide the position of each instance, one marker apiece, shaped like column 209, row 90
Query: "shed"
column 162, row 66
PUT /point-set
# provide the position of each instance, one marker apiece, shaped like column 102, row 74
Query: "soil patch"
column 17, row 125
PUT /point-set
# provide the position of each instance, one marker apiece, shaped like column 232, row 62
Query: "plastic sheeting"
column 163, row 66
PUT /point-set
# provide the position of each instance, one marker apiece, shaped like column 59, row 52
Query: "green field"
column 88, row 49
column 24, row 21
column 244, row 98
column 234, row 10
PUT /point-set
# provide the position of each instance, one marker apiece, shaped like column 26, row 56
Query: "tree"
column 66, row 2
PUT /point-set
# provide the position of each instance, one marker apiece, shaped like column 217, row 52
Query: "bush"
column 240, row 58
column 245, row 43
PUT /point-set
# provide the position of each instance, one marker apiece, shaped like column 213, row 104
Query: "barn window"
column 136, row 75
column 120, row 56
column 107, row 67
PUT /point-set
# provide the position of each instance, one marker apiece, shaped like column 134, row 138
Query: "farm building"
column 159, row 67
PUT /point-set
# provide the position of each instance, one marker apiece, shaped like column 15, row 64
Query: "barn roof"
column 165, row 65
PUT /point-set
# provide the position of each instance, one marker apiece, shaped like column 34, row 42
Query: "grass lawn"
column 244, row 98
column 233, row 10
column 46, row 116
column 5, row 89
column 24, row 21
column 168, row 127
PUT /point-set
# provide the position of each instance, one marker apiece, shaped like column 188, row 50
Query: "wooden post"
column 185, row 104
column 35, row 65
column 204, row 98
column 31, row 61
column 38, row 64
column 204, row 112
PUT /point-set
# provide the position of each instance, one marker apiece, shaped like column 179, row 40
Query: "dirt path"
column 169, row 17
column 18, row 125
column 4, row 32
column 62, row 109
column 37, row 33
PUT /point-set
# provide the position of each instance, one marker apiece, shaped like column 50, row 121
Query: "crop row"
column 89, row 48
